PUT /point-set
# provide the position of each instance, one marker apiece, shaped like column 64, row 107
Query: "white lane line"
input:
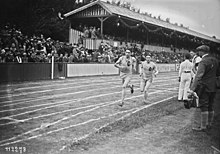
column 58, row 95
column 31, row 111
column 48, row 90
column 8, row 86
column 11, row 119
column 76, row 140
column 42, row 98
column 60, row 129
column 106, row 104
column 64, row 83
column 60, row 103
column 159, row 88
column 57, row 130
column 65, row 118
column 60, row 112
column 16, row 102
column 75, row 83
column 43, row 91
column 50, row 82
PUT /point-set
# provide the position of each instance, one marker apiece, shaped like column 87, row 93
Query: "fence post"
column 52, row 67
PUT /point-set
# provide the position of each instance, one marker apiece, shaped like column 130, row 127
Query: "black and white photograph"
column 110, row 77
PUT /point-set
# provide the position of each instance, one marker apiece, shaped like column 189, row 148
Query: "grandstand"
column 122, row 26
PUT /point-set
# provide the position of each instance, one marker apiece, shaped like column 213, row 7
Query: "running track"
column 50, row 114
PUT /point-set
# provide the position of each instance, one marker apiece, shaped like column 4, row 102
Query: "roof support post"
column 70, row 33
column 102, row 19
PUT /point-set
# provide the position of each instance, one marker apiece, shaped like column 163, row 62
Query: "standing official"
column 126, row 65
column 204, row 85
column 148, row 72
column 185, row 76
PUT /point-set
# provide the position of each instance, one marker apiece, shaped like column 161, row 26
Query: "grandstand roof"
column 112, row 10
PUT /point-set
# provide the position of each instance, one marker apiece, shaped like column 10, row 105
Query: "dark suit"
column 205, row 82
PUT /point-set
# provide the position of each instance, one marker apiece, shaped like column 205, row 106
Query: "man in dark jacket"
column 205, row 86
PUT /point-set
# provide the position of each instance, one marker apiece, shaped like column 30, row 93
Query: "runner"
column 126, row 65
column 147, row 73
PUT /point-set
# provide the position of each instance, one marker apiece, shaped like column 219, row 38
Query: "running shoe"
column 121, row 104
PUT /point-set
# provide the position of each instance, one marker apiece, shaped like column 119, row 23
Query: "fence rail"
column 11, row 72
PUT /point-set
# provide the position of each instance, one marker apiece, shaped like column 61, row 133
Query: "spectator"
column 204, row 85
column 48, row 46
column 60, row 64
column 71, row 58
column 65, row 58
column 86, row 32
column 98, row 33
column 80, row 40
column 93, row 33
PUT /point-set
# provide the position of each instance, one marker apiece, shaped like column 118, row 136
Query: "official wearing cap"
column 204, row 85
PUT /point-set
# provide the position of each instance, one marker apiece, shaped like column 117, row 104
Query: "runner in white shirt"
column 126, row 65
column 147, row 72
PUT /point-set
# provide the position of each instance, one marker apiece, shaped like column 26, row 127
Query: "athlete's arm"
column 155, row 70
column 118, row 63
column 134, row 64
column 181, row 69
column 141, row 70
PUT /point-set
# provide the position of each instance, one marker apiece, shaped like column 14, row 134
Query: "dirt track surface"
column 81, row 115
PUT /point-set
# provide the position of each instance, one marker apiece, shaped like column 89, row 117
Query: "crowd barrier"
column 74, row 70
column 15, row 72
column 11, row 72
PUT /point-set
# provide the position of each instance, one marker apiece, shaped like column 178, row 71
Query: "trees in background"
column 38, row 16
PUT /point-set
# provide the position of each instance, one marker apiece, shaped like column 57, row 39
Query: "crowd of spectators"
column 19, row 48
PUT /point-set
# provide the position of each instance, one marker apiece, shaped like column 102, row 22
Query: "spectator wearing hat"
column 40, row 48
column 126, row 65
column 48, row 45
column 204, row 85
